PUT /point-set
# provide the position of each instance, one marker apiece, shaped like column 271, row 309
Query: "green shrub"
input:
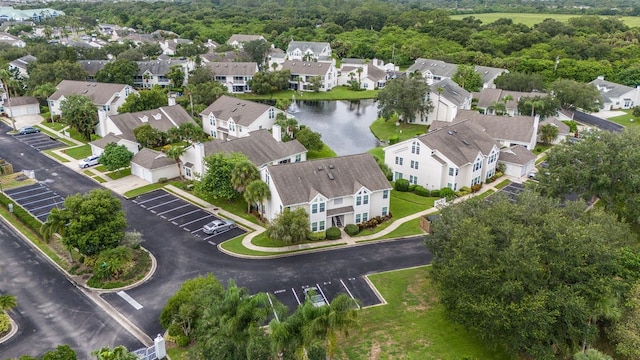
column 351, row 229
column 465, row 189
column 22, row 215
column 333, row 233
column 317, row 236
column 476, row 187
column 394, row 139
column 402, row 185
column 412, row 187
column 447, row 193
column 175, row 330
column 421, row 191
column 435, row 193
column 182, row 340
column 162, row 180
column 636, row 111
column 5, row 324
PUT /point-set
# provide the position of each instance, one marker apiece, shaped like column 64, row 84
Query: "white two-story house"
column 447, row 99
column 303, row 75
column 617, row 96
column 334, row 192
column 107, row 97
column 154, row 72
column 230, row 117
column 234, row 75
column 436, row 70
column 238, row 40
column 308, row 50
column 457, row 155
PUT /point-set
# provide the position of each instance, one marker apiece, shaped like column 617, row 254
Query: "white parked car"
column 311, row 294
column 218, row 226
column 89, row 161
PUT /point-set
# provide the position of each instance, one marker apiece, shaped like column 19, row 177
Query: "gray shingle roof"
column 23, row 100
column 151, row 159
column 23, row 61
column 316, row 47
column 157, row 67
column 488, row 73
column 436, row 67
column 233, row 68
column 516, row 155
column 451, row 91
column 515, row 128
column 241, row 38
column 459, row 142
column 307, row 68
column 486, row 97
column 299, row 183
column 163, row 119
column 259, row 147
column 106, row 140
column 243, row 112
column 610, row 89
column 93, row 66
column 99, row 93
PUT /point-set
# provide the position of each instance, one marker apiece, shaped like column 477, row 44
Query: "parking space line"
column 209, row 237
column 136, row 305
column 349, row 292
column 296, row 295
column 37, row 201
column 323, row 296
column 212, row 243
column 157, row 197
column 30, row 196
column 191, row 222
column 174, row 209
column 164, row 203
column 29, row 189
column 274, row 310
column 42, row 207
column 183, row 215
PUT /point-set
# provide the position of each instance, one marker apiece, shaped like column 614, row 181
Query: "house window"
column 321, row 228
column 213, row 133
column 450, row 185
column 365, row 217
column 232, row 126
column 384, row 210
column 415, row 148
column 398, row 160
column 314, row 226
column 187, row 172
column 357, row 218
column 272, row 113
column 365, row 199
column 266, row 178
column 414, row 164
column 106, row 107
column 477, row 166
column 337, row 201
column 385, row 194
column 321, row 207
column 127, row 91
column 397, row 175
column 413, row 179
column 358, row 200
column 450, row 171
column 314, row 208
column 298, row 158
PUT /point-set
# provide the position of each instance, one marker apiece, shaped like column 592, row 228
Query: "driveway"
column 600, row 123
column 182, row 256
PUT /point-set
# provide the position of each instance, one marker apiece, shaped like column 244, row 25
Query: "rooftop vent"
column 450, row 132
column 330, row 176
column 330, row 166
column 465, row 142
column 320, row 168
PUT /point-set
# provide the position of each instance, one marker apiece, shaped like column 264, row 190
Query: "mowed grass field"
column 532, row 19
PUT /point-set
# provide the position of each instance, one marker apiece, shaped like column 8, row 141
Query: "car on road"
column 89, row 161
column 311, row 294
column 28, row 130
column 218, row 226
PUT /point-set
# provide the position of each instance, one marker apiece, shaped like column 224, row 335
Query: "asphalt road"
column 181, row 255
column 51, row 310
column 600, row 123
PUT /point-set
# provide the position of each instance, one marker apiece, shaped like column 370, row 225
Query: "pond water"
column 344, row 125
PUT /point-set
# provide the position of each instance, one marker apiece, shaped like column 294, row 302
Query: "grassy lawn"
column 326, row 152
column 57, row 126
column 99, row 179
column 502, row 184
column 413, row 325
column 74, row 134
column 119, row 174
column 485, row 194
column 79, row 152
column 409, row 228
column 337, row 93
column 143, row 189
column 264, row 240
column 56, row 156
column 532, row 19
column 235, row 246
column 626, row 120
column 237, row 207
column 54, row 136
column 541, row 159
column 406, row 203
column 383, row 130
column 11, row 181
column 377, row 153
column 541, row 148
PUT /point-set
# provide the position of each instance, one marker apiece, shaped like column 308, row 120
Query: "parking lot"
column 37, row 199
column 356, row 288
column 184, row 215
column 39, row 141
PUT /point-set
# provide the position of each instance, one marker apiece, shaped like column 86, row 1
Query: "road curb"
column 13, row 331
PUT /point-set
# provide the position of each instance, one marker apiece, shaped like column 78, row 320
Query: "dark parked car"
column 218, row 226
column 28, row 130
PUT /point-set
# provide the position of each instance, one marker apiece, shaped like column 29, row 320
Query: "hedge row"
column 23, row 215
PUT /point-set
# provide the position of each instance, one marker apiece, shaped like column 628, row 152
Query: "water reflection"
column 344, row 125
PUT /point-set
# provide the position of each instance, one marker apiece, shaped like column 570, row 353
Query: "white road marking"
column 274, row 310
column 24, row 191
column 136, row 305
column 349, row 292
column 296, row 295
column 30, row 196
column 42, row 207
column 280, row 291
column 191, row 222
column 212, row 243
column 209, row 237
column 164, row 203
column 183, row 215
column 37, row 201
column 162, row 216
column 174, row 209
column 157, row 197
column 322, row 293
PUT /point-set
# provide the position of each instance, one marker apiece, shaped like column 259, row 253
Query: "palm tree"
column 535, row 104
column 256, row 192
column 359, row 71
column 340, row 317
column 117, row 353
column 7, row 302
column 174, row 152
column 5, row 77
column 56, row 223
column 243, row 174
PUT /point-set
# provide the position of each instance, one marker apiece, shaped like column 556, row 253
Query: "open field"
column 532, row 19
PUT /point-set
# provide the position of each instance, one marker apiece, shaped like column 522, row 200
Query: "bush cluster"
column 394, row 139
column 5, row 324
column 351, row 229
column 317, row 236
column 373, row 222
column 22, row 215
column 333, row 233
column 401, row 185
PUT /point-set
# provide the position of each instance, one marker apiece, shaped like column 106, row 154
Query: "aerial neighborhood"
column 245, row 179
